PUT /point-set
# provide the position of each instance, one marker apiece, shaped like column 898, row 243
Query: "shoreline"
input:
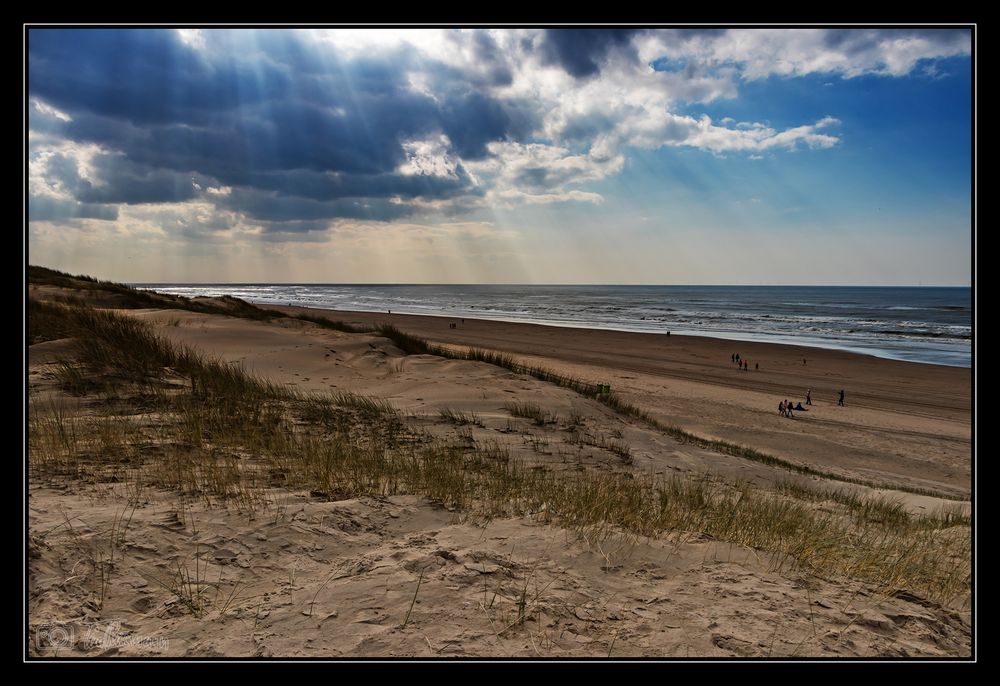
column 799, row 348
column 769, row 339
column 735, row 337
column 923, row 345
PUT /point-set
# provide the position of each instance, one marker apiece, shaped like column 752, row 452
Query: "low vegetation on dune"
column 143, row 412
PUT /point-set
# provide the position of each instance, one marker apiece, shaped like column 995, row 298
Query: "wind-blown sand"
column 339, row 578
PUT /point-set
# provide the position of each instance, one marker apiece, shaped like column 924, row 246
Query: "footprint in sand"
column 143, row 604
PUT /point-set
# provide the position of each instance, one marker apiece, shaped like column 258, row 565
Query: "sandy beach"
column 902, row 421
column 304, row 573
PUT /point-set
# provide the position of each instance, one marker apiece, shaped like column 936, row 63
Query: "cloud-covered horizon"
column 286, row 133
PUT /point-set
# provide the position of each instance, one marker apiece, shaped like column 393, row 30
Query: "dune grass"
column 614, row 444
column 45, row 322
column 531, row 411
column 460, row 418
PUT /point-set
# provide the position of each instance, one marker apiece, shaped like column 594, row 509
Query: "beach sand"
column 318, row 578
column 905, row 422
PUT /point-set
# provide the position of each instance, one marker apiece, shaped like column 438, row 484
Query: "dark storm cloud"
column 581, row 51
column 324, row 186
column 271, row 207
column 120, row 181
column 140, row 75
column 316, row 133
column 473, row 120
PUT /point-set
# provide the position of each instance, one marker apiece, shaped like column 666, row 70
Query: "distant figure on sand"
column 803, row 360
column 756, row 366
column 781, row 408
column 788, row 409
column 809, row 398
column 733, row 358
column 737, row 358
column 841, row 401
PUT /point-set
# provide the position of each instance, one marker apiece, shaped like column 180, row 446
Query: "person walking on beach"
column 756, row 366
column 841, row 401
column 733, row 358
column 809, row 400
column 737, row 358
column 788, row 409
column 781, row 408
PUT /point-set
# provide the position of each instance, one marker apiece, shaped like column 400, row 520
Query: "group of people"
column 743, row 364
column 785, row 406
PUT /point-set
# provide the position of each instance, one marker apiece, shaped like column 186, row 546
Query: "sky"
column 560, row 155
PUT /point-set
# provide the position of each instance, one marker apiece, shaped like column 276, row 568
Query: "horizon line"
column 505, row 283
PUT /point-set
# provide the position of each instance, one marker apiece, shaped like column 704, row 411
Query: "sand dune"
column 338, row 579
column 308, row 577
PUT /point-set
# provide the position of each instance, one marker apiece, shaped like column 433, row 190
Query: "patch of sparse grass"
column 461, row 418
column 409, row 344
column 189, row 587
column 945, row 517
column 531, row 411
column 493, row 357
column 75, row 380
column 876, row 509
column 334, row 325
column 46, row 322
column 371, row 407
column 615, row 444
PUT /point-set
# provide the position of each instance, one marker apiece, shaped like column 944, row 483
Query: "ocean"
column 919, row 324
